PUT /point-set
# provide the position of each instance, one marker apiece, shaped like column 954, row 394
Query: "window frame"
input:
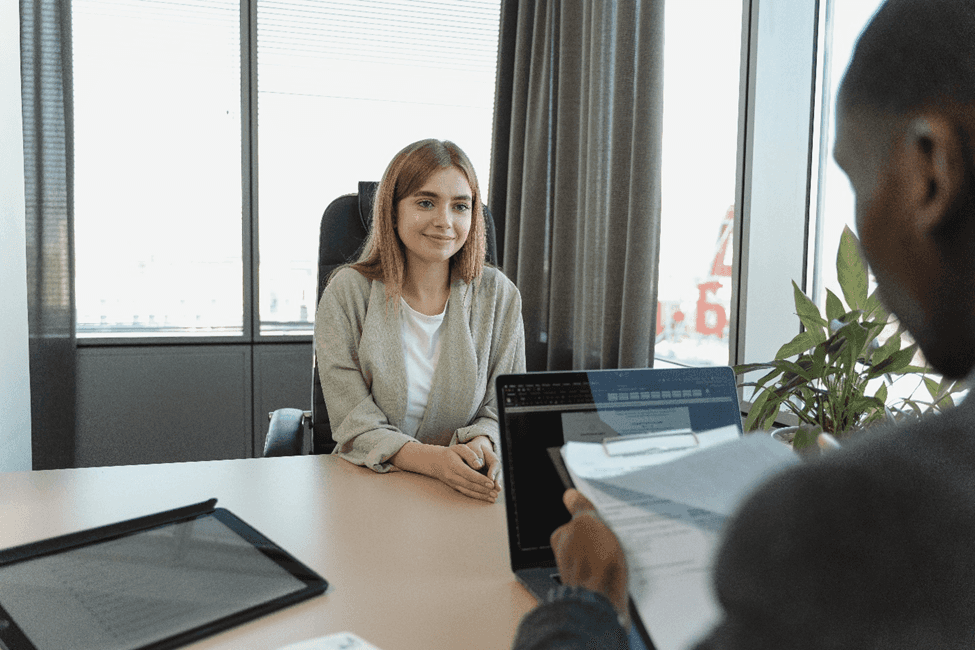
column 780, row 42
column 250, row 330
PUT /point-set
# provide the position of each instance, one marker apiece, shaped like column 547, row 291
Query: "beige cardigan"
column 359, row 347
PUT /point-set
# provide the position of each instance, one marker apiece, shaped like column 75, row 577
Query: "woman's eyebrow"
column 434, row 195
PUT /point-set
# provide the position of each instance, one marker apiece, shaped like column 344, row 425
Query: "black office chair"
column 345, row 225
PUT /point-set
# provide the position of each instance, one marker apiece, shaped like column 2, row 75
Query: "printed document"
column 667, row 507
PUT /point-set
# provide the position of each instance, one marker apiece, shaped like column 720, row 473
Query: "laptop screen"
column 548, row 409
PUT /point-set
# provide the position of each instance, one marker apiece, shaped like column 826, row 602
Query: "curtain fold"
column 49, row 180
column 575, row 178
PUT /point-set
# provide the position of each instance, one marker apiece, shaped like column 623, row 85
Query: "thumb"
column 575, row 502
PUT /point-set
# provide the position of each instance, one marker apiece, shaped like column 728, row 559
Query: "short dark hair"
column 914, row 54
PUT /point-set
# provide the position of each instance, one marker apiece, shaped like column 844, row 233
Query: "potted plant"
column 838, row 381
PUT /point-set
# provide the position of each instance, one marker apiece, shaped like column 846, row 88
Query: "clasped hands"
column 471, row 468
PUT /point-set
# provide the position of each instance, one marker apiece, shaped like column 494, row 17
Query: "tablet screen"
column 127, row 592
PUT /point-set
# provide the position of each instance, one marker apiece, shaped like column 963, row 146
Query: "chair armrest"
column 285, row 433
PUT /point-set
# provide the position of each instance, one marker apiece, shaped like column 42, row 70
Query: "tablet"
column 156, row 582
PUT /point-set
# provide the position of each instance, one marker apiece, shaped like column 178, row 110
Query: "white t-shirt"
column 421, row 350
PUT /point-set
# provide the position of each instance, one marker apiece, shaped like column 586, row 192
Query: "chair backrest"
column 345, row 225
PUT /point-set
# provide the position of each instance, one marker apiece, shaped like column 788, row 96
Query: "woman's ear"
column 934, row 166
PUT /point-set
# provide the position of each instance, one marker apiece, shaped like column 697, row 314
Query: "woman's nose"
column 442, row 216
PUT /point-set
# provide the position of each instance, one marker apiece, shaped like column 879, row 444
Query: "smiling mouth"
column 440, row 238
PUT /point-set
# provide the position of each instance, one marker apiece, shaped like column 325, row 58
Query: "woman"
column 410, row 338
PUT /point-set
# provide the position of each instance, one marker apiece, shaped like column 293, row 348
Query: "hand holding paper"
column 589, row 555
column 666, row 508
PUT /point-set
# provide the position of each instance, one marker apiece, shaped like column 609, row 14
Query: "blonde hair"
column 384, row 254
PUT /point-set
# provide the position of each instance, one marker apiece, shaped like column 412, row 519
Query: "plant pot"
column 785, row 436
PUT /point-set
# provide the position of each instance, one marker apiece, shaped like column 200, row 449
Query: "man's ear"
column 934, row 156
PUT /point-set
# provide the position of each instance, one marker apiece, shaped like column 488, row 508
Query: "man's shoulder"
column 933, row 448
column 943, row 439
column 892, row 476
column 839, row 537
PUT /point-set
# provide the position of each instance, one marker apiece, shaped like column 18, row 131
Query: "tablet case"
column 13, row 638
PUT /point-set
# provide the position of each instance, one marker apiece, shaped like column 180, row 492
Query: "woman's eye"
column 425, row 203
column 462, row 207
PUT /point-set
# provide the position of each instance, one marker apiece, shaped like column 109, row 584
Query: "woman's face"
column 434, row 221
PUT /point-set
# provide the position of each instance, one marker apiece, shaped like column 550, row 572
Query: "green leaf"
column 835, row 344
column 914, row 370
column 834, row 306
column 881, row 393
column 851, row 271
column 914, row 407
column 856, row 335
column 945, row 402
column 795, row 368
column 764, row 411
column 892, row 345
column 946, row 387
column 803, row 341
column 817, row 366
column 742, row 368
column 875, row 308
column 932, row 387
column 897, row 363
column 757, row 411
column 865, row 404
column 807, row 311
column 873, row 417
column 874, row 328
column 766, row 378
column 769, row 420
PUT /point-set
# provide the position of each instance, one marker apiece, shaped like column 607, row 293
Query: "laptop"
column 543, row 410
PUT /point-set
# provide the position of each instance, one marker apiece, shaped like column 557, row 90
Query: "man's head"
column 905, row 128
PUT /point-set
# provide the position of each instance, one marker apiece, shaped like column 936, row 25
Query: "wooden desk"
column 410, row 562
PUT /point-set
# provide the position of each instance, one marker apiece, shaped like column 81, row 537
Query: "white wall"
column 15, row 445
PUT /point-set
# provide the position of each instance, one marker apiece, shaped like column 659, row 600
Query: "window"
column 835, row 206
column 341, row 89
column 157, row 160
column 699, row 163
column 779, row 53
column 162, row 231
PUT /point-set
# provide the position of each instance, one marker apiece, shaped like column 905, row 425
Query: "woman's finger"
column 479, row 484
column 493, row 464
column 469, row 456
column 458, row 473
column 475, row 495
column 473, row 490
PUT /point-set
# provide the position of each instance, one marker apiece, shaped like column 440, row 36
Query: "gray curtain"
column 576, row 176
column 49, row 168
